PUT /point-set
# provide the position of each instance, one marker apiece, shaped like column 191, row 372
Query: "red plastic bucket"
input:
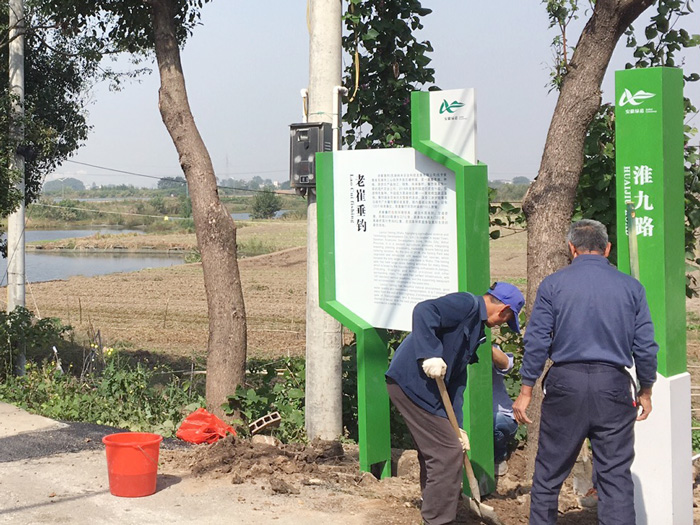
column 132, row 463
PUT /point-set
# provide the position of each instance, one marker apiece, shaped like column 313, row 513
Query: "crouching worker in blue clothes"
column 592, row 321
column 446, row 334
column 504, row 424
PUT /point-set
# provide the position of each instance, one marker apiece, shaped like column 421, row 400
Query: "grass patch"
column 253, row 247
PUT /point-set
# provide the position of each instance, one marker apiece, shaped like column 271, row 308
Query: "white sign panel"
column 453, row 122
column 395, row 233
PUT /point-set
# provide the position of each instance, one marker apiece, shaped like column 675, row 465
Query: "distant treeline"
column 510, row 191
column 72, row 187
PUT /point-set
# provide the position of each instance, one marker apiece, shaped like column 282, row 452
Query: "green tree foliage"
column 158, row 204
column 22, row 333
column 504, row 216
column 266, row 204
column 596, row 192
column 561, row 13
column 142, row 27
column 61, row 185
column 510, row 191
column 58, row 72
column 276, row 386
column 663, row 41
column 388, row 64
column 184, row 206
column 521, row 180
column 118, row 26
column 595, row 197
column 177, row 184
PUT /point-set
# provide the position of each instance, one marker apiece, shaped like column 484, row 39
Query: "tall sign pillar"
column 649, row 172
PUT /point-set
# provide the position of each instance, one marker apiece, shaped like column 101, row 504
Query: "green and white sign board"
column 396, row 215
column 399, row 226
column 649, row 176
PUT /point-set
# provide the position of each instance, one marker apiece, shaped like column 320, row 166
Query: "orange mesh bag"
column 203, row 427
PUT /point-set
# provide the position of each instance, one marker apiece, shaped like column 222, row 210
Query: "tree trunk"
column 549, row 203
column 214, row 226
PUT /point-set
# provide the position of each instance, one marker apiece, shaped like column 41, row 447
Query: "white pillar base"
column 662, row 468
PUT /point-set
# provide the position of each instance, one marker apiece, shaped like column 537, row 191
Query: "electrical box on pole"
column 307, row 139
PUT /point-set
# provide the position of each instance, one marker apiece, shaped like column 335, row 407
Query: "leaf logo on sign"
column 446, row 107
column 636, row 99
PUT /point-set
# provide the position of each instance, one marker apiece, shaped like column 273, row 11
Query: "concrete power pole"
column 324, row 413
column 15, row 222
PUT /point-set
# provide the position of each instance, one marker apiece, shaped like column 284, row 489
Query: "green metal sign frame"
column 473, row 276
column 649, row 179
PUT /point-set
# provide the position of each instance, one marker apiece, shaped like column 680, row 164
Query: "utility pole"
column 324, row 410
column 15, row 222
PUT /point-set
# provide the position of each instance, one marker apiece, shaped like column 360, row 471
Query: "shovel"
column 480, row 509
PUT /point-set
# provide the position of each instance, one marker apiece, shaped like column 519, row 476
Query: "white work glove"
column 434, row 367
column 464, row 439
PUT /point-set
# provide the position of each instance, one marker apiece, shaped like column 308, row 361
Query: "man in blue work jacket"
column 446, row 333
column 592, row 321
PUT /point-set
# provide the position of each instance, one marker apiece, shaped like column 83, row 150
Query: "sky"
column 246, row 64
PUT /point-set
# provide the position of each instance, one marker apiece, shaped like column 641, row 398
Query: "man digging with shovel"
column 446, row 334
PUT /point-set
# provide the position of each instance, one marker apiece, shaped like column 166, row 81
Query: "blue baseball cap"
column 510, row 295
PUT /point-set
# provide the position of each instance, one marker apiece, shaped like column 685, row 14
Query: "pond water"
column 246, row 216
column 53, row 235
column 49, row 266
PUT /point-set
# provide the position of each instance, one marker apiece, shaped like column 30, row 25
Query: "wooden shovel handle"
column 448, row 405
column 473, row 485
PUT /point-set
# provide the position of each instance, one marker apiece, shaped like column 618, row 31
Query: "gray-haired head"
column 588, row 235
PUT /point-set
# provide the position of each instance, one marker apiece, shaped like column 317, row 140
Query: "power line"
column 171, row 179
column 164, row 217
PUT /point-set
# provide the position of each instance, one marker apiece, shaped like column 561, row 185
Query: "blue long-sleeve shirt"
column 590, row 312
column 450, row 327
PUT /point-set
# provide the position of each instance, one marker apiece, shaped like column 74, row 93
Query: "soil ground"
column 290, row 469
column 163, row 312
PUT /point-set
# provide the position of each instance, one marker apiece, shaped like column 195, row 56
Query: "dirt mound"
column 295, row 468
column 317, row 463
column 245, row 460
column 315, row 471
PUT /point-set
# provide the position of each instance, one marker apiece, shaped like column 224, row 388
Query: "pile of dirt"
column 320, row 467
column 244, row 460
column 292, row 469
column 286, row 467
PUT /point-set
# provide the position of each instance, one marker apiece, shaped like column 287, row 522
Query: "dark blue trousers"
column 504, row 430
column 586, row 400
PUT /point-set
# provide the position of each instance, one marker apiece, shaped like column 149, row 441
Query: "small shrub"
column 22, row 333
column 158, row 205
column 253, row 247
column 400, row 436
column 265, row 204
column 184, row 206
column 123, row 395
column 194, row 256
column 513, row 343
column 273, row 386
column 294, row 215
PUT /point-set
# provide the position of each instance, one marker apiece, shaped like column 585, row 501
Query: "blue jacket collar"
column 482, row 308
column 590, row 257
